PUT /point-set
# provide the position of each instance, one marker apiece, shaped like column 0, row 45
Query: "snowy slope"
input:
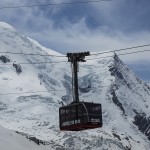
column 104, row 80
column 11, row 140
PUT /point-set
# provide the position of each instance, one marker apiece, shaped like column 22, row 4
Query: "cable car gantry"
column 79, row 115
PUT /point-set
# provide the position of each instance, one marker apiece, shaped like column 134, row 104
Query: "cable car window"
column 62, row 111
column 96, row 109
column 79, row 109
column 79, row 113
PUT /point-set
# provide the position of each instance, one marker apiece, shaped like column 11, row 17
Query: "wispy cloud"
column 94, row 26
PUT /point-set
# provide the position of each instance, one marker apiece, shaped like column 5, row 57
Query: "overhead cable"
column 34, row 63
column 56, row 90
column 24, row 63
column 120, row 54
column 33, row 54
column 128, row 48
column 53, row 4
column 31, row 92
column 98, row 53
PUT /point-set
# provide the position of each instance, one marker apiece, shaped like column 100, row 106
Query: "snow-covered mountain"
column 41, row 87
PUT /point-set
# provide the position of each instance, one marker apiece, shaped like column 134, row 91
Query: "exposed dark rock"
column 3, row 106
column 117, row 136
column 128, row 148
column 65, row 98
column 117, row 59
column 115, row 72
column 68, row 78
column 37, row 141
column 67, row 83
column 68, row 94
column 143, row 124
column 147, row 86
column 85, row 84
column 85, row 90
column 112, row 69
column 17, row 67
column 44, row 78
column 4, row 59
column 119, row 75
column 116, row 101
column 127, row 138
column 34, row 139
column 47, row 100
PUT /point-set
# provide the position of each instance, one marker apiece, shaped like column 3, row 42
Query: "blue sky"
column 99, row 26
column 141, row 70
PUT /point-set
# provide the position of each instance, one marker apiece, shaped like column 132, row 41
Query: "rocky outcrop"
column 143, row 124
column 4, row 59
column 17, row 67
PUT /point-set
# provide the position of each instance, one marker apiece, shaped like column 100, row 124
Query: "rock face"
column 140, row 118
column 4, row 59
column 143, row 124
column 18, row 68
column 116, row 101
column 41, row 88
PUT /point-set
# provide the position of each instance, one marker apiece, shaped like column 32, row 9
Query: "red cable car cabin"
column 80, row 116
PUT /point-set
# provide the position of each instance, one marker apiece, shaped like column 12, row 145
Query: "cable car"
column 79, row 115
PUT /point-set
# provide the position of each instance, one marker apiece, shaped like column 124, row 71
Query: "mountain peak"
column 6, row 25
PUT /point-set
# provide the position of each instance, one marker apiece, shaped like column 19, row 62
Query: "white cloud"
column 75, row 37
column 78, row 37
